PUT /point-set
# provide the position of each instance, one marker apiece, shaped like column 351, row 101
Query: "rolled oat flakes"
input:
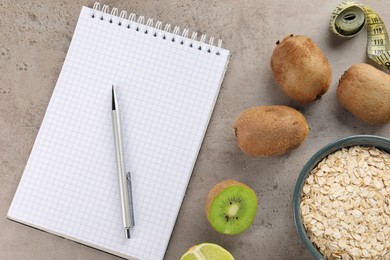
column 345, row 204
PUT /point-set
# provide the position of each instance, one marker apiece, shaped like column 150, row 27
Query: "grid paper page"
column 166, row 91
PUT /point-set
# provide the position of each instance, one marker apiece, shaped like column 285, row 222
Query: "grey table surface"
column 35, row 36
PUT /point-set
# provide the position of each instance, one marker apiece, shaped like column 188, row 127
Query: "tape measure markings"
column 349, row 18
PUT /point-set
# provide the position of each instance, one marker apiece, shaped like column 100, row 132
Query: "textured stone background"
column 35, row 36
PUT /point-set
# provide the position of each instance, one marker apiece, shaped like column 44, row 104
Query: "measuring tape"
column 349, row 18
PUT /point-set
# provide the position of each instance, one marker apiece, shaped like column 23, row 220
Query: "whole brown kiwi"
column 365, row 92
column 300, row 68
column 270, row 130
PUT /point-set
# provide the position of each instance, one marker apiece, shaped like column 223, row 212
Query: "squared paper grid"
column 166, row 92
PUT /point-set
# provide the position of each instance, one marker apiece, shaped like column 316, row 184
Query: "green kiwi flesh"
column 233, row 210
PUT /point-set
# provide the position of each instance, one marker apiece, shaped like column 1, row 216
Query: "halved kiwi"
column 231, row 207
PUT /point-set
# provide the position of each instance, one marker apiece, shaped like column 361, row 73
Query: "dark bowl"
column 361, row 140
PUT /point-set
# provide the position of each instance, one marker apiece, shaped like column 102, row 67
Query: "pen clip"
column 130, row 196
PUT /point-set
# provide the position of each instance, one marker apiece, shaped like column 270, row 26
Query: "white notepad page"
column 166, row 91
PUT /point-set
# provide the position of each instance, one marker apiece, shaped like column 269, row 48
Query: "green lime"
column 207, row 251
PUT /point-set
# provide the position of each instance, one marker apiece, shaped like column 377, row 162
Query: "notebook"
column 167, row 85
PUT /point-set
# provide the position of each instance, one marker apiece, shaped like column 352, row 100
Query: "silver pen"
column 125, row 188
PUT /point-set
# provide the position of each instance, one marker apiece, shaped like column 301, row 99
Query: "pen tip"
column 113, row 98
column 127, row 233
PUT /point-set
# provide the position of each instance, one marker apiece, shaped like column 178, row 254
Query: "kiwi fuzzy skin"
column 300, row 68
column 218, row 188
column 365, row 92
column 270, row 130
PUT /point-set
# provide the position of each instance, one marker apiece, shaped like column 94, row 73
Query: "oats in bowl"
column 345, row 204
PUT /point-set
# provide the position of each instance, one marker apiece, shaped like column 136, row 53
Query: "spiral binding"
column 132, row 21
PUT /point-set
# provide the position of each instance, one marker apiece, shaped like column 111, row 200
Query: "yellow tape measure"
column 349, row 18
